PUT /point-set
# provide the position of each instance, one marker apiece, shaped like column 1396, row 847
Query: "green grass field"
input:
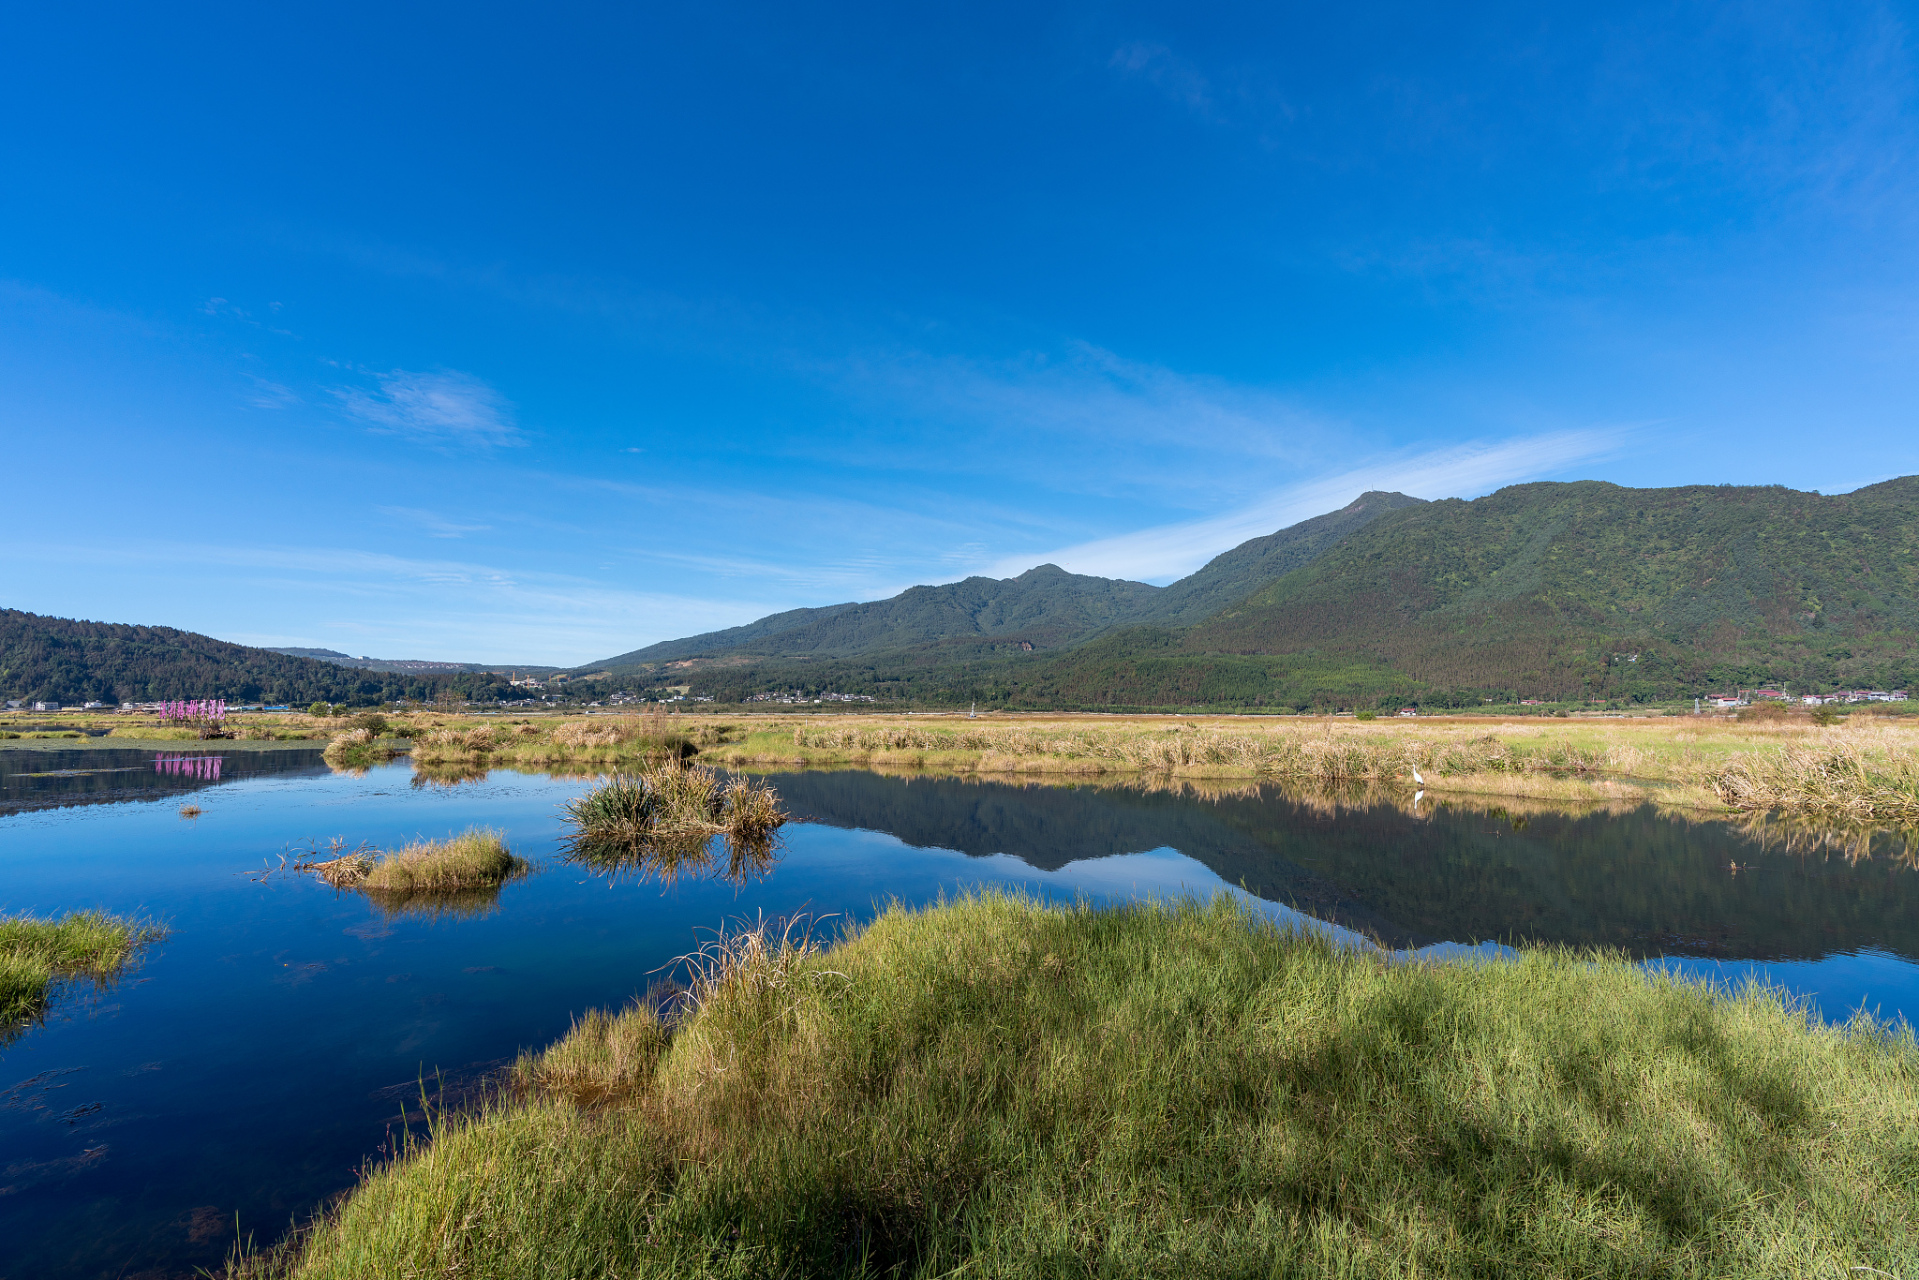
column 994, row 1088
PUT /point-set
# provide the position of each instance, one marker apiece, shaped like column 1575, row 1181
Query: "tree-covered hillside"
column 68, row 661
column 1554, row 591
column 1233, row 575
column 1043, row 608
column 1568, row 591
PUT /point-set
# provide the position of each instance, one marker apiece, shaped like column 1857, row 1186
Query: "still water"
column 281, row 1033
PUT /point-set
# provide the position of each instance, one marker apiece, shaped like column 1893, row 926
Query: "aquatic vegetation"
column 1845, row 776
column 1000, row 1088
column 477, row 858
column 668, row 800
column 357, row 748
column 35, row 954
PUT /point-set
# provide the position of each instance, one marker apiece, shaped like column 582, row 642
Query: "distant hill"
column 409, row 666
column 1580, row 590
column 69, row 661
column 1583, row 590
column 1043, row 608
column 1233, row 575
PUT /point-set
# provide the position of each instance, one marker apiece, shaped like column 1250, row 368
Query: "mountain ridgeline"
column 72, row 662
column 1581, row 590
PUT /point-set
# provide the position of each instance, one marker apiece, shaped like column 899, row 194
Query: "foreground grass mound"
column 36, row 953
column 999, row 1088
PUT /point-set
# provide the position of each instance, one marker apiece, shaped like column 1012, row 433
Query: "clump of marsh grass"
column 1007, row 1089
column 357, row 748
column 35, row 954
column 603, row 1056
column 660, row 823
column 672, row 799
column 461, row 874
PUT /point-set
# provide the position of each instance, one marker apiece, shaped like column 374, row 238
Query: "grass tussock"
column 357, row 748
column 996, row 1088
column 35, row 954
column 476, row 859
column 673, row 799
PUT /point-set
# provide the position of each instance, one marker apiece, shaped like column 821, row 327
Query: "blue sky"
column 505, row 333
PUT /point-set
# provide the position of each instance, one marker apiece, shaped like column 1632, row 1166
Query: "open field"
column 995, row 1088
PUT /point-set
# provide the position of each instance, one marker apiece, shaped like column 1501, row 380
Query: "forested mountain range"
column 413, row 666
column 1552, row 590
column 69, row 661
column 1045, row 607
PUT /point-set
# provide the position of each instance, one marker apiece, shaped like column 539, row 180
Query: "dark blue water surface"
column 269, row 1046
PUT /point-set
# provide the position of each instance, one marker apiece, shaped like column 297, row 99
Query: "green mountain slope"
column 1043, row 608
column 1233, row 575
column 68, row 661
column 1549, row 590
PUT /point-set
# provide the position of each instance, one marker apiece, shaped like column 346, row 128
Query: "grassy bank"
column 35, row 954
column 993, row 1088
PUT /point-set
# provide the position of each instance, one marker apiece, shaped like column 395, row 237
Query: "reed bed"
column 997, row 1088
column 1848, row 776
column 1319, row 752
column 36, row 953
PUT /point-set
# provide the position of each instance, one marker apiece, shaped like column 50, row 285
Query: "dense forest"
column 68, row 661
column 1582, row 591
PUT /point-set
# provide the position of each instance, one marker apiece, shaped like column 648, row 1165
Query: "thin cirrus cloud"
column 432, row 523
column 1133, row 412
column 445, row 408
column 1171, row 550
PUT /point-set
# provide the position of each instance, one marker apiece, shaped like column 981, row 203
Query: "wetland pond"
column 284, row 1032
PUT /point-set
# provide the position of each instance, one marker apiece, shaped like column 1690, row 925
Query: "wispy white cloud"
column 1125, row 422
column 1166, row 71
column 396, row 606
column 1170, row 551
column 434, row 524
column 443, row 408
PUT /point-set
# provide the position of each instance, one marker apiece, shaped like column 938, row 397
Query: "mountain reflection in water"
column 1464, row 870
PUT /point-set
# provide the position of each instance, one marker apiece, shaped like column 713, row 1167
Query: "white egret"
column 1416, row 778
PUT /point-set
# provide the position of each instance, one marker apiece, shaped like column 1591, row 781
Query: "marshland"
column 297, row 1039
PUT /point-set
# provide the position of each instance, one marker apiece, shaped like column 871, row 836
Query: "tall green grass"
column 998, row 1088
column 36, row 953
